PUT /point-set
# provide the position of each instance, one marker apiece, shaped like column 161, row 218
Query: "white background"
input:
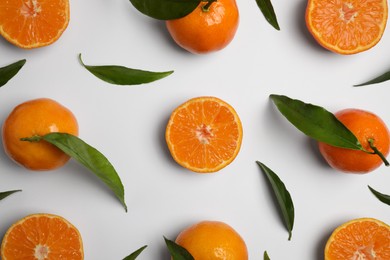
column 127, row 124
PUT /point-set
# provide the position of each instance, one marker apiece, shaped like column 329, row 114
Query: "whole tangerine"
column 210, row 27
column 371, row 132
column 213, row 240
column 37, row 117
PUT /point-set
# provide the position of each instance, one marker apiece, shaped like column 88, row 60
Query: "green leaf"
column 177, row 252
column 380, row 196
column 283, row 197
column 266, row 257
column 7, row 193
column 165, row 9
column 379, row 79
column 135, row 254
column 268, row 11
column 8, row 72
column 316, row 122
column 87, row 156
column 120, row 75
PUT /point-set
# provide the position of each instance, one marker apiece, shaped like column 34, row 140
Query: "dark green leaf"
column 8, row 72
column 135, row 254
column 268, row 11
column 120, row 75
column 316, row 122
column 87, row 156
column 165, row 9
column 7, row 193
column 177, row 252
column 379, row 79
column 283, row 197
column 380, row 196
column 266, row 257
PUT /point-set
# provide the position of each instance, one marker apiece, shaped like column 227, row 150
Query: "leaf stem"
column 33, row 139
column 376, row 151
column 206, row 7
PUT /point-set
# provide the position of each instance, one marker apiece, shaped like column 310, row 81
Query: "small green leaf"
column 177, row 252
column 7, row 193
column 165, row 9
column 135, row 254
column 266, row 257
column 120, row 75
column 379, row 79
column 268, row 11
column 9, row 71
column 87, row 156
column 283, row 197
column 380, row 196
column 316, row 122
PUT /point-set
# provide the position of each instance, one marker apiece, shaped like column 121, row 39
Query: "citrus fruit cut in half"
column 33, row 23
column 204, row 134
column 213, row 240
column 367, row 127
column 364, row 238
column 42, row 237
column 210, row 27
column 347, row 26
column 37, row 117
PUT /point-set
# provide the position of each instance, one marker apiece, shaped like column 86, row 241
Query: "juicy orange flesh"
column 359, row 239
column 206, row 134
column 348, row 25
column 50, row 234
column 33, row 22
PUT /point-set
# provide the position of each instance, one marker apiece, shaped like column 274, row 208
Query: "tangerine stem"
column 34, row 138
column 376, row 151
column 206, row 7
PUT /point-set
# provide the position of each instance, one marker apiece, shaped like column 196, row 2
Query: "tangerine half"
column 213, row 240
column 42, row 237
column 210, row 27
column 204, row 134
column 33, row 23
column 364, row 238
column 37, row 117
column 365, row 126
column 347, row 26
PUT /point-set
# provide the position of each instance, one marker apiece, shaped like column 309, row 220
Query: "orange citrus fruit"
column 365, row 126
column 204, row 134
column 33, row 23
column 347, row 27
column 37, row 117
column 210, row 27
column 213, row 240
column 42, row 236
column 364, row 238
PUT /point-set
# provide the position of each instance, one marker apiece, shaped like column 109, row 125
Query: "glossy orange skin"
column 203, row 32
column 364, row 125
column 37, row 117
column 213, row 240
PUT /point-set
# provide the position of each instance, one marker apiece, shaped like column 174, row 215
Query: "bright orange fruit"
column 206, row 29
column 42, row 236
column 364, row 238
column 204, row 134
column 213, row 240
column 37, row 117
column 33, row 23
column 365, row 126
column 347, row 26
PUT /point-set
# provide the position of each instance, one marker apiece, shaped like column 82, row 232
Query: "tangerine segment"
column 364, row 238
column 42, row 236
column 33, row 23
column 37, row 117
column 347, row 26
column 204, row 134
